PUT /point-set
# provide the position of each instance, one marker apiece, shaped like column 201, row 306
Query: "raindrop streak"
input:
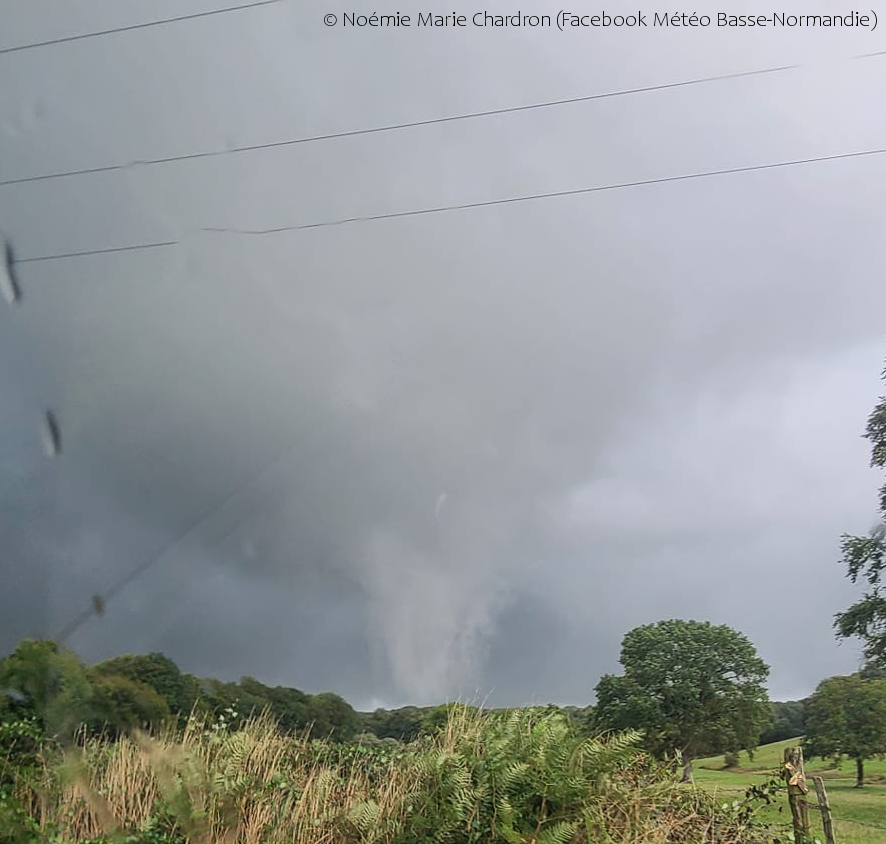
column 52, row 439
column 11, row 291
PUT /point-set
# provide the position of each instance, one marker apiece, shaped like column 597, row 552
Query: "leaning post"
column 825, row 806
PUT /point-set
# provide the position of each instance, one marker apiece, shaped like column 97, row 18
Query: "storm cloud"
column 459, row 453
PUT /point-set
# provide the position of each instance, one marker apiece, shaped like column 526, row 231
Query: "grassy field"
column 859, row 813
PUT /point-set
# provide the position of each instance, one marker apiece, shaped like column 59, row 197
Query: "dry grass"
column 232, row 788
column 256, row 785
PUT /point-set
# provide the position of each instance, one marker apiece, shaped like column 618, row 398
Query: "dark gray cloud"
column 455, row 454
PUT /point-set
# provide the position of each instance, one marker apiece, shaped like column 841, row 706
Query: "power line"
column 554, row 194
column 137, row 247
column 393, row 127
column 148, row 562
column 133, row 248
column 471, row 205
column 132, row 27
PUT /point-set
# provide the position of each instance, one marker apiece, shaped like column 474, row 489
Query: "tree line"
column 43, row 681
column 40, row 679
column 51, row 684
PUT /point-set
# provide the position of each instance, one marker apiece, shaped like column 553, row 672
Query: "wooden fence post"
column 825, row 807
column 795, row 777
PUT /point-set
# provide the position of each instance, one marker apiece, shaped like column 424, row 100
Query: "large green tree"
column 692, row 687
column 846, row 717
column 41, row 679
column 865, row 558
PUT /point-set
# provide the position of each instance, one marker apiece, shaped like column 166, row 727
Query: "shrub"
column 21, row 744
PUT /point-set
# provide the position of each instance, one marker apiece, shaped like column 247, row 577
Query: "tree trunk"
column 859, row 773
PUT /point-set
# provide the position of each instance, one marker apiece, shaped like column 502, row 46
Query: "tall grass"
column 515, row 778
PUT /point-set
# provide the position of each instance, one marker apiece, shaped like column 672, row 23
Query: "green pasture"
column 859, row 813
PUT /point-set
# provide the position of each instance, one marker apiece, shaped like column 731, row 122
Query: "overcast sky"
column 449, row 454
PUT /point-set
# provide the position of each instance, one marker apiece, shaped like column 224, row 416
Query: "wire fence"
column 775, row 786
column 816, row 806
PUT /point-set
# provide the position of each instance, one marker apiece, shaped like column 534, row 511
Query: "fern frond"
column 559, row 833
column 365, row 816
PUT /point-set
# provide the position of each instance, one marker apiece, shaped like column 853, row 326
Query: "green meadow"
column 859, row 813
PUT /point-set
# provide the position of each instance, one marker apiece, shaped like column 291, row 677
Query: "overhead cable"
column 439, row 209
column 413, row 124
column 132, row 27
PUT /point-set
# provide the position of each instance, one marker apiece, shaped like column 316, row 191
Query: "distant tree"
column 691, row 687
column 865, row 557
column 787, row 721
column 119, row 704
column 291, row 708
column 218, row 698
column 581, row 719
column 846, row 717
column 404, row 724
column 333, row 716
column 160, row 673
column 325, row 714
column 252, row 696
